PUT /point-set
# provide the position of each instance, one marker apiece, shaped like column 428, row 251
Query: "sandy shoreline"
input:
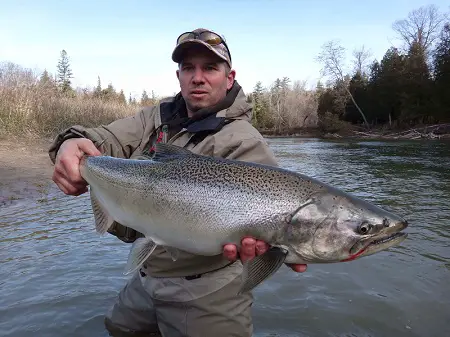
column 25, row 171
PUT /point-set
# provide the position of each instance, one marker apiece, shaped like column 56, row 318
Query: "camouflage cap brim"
column 180, row 50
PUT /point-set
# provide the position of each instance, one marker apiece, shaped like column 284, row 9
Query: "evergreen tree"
column 386, row 86
column 441, row 64
column 45, row 78
column 64, row 73
column 416, row 100
column 259, row 110
column 121, row 98
column 109, row 94
column 98, row 89
column 145, row 100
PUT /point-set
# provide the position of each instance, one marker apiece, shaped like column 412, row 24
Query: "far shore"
column 423, row 132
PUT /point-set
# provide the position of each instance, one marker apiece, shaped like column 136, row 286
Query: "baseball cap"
column 209, row 39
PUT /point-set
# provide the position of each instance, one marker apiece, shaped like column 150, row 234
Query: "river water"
column 58, row 277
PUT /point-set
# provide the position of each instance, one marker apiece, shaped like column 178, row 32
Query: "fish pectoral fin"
column 102, row 219
column 261, row 267
column 173, row 252
column 140, row 251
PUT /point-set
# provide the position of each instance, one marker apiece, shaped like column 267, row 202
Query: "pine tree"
column 64, row 73
column 121, row 98
column 45, row 78
column 416, row 98
column 441, row 64
column 145, row 100
column 258, row 106
column 98, row 89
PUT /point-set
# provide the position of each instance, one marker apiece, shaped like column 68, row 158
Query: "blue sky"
column 129, row 43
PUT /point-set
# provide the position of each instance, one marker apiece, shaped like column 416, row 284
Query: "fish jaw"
column 391, row 237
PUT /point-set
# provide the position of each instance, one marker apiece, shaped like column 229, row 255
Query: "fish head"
column 334, row 226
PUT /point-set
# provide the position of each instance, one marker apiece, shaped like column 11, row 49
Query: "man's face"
column 203, row 79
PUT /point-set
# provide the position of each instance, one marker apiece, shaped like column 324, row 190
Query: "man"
column 194, row 295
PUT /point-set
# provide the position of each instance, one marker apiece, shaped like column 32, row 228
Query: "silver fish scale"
column 273, row 183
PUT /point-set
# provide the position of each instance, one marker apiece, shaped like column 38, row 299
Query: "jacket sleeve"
column 120, row 137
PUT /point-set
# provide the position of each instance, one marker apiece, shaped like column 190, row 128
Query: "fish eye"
column 364, row 228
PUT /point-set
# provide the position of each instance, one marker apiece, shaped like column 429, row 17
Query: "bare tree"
column 333, row 60
column 422, row 26
column 361, row 58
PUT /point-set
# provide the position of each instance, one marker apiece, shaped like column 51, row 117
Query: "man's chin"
column 197, row 105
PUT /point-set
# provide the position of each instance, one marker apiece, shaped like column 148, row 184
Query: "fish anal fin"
column 103, row 220
column 140, row 251
column 173, row 252
column 261, row 267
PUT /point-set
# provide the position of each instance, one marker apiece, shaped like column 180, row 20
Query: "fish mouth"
column 378, row 243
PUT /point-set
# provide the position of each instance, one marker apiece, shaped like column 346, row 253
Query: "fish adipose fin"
column 102, row 219
column 261, row 267
column 173, row 252
column 140, row 251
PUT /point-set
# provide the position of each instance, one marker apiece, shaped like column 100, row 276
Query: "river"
column 58, row 277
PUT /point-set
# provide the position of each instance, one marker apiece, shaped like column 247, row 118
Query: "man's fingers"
column 251, row 248
column 299, row 268
column 261, row 247
column 230, row 252
column 88, row 147
column 68, row 169
column 69, row 188
column 248, row 247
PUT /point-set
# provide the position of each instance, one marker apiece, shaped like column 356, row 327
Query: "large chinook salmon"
column 184, row 201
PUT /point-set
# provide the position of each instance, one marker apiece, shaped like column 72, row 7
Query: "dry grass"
column 31, row 108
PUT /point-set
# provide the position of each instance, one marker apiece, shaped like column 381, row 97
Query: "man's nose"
column 198, row 76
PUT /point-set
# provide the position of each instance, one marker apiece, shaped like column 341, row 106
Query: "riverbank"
column 25, row 170
column 427, row 132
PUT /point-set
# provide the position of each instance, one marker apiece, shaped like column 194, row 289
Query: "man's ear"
column 178, row 74
column 230, row 79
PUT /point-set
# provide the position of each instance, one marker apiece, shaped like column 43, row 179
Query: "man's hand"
column 251, row 248
column 67, row 165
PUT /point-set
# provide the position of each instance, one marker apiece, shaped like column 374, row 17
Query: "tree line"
column 410, row 85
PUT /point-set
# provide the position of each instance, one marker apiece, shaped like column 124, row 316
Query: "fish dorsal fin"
column 165, row 151
column 143, row 157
